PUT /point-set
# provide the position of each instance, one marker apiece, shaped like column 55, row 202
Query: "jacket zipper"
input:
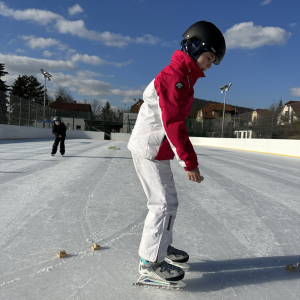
column 188, row 81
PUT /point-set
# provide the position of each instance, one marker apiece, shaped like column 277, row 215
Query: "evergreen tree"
column 3, row 96
column 3, row 86
column 107, row 112
column 107, row 108
column 28, row 87
column 62, row 95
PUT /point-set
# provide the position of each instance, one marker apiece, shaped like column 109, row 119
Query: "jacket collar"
column 186, row 64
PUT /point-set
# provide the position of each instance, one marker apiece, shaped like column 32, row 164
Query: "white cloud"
column 20, row 50
column 20, row 65
column 76, row 28
column 293, row 24
column 86, row 85
column 170, row 43
column 75, row 9
column 249, row 36
column 11, row 41
column 147, row 39
column 92, row 60
column 128, row 100
column 88, row 74
column 47, row 53
column 95, row 60
column 42, row 17
column 41, row 43
column 295, row 92
column 265, row 2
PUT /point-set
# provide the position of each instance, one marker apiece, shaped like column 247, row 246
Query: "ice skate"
column 161, row 275
column 52, row 154
column 177, row 258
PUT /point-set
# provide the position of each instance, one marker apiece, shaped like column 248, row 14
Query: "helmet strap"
column 193, row 48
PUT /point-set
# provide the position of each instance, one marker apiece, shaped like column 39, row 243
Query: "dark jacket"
column 59, row 130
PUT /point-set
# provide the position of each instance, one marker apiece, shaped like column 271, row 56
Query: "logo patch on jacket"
column 179, row 85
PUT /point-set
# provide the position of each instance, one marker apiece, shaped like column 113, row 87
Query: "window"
column 206, row 113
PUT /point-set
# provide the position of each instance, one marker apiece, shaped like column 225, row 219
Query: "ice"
column 240, row 226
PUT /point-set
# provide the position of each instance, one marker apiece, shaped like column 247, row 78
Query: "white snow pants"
column 158, row 183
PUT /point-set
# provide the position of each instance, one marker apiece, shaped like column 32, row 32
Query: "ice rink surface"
column 240, row 226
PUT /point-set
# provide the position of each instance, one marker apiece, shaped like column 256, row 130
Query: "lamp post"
column 46, row 76
column 224, row 88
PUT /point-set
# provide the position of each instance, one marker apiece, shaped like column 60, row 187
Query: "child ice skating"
column 59, row 130
column 159, row 135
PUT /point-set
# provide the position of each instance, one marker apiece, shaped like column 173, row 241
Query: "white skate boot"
column 160, row 275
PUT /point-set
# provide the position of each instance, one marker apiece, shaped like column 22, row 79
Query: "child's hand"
column 59, row 136
column 194, row 175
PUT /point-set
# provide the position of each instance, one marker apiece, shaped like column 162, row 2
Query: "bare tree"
column 96, row 106
column 62, row 95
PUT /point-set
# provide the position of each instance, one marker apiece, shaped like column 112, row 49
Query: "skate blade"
column 185, row 267
column 147, row 281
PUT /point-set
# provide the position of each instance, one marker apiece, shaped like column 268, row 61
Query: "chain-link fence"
column 264, row 124
column 15, row 110
column 278, row 123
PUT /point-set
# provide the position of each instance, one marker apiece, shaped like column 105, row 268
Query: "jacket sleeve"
column 54, row 130
column 173, row 101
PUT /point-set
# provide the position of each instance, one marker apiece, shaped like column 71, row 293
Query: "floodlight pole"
column 224, row 88
column 46, row 76
column 223, row 121
column 44, row 104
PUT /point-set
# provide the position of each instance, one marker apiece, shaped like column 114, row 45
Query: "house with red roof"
column 214, row 111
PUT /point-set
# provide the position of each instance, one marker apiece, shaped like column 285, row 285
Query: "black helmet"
column 56, row 119
column 210, row 37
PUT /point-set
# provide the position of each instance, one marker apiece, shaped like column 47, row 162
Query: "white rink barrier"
column 120, row 137
column 80, row 134
column 8, row 132
column 272, row 146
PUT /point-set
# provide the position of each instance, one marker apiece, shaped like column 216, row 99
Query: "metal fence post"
column 272, row 123
column 20, row 111
column 28, row 113
column 288, row 121
column 259, row 116
column 247, row 123
column 36, row 117
column 239, row 125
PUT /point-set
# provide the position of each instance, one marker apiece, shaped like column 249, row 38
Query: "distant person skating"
column 59, row 130
column 160, row 134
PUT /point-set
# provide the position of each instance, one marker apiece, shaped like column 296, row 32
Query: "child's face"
column 57, row 123
column 205, row 60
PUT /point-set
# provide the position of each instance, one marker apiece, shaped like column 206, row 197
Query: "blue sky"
column 111, row 50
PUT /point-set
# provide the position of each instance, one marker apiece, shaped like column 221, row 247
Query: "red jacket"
column 160, row 132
